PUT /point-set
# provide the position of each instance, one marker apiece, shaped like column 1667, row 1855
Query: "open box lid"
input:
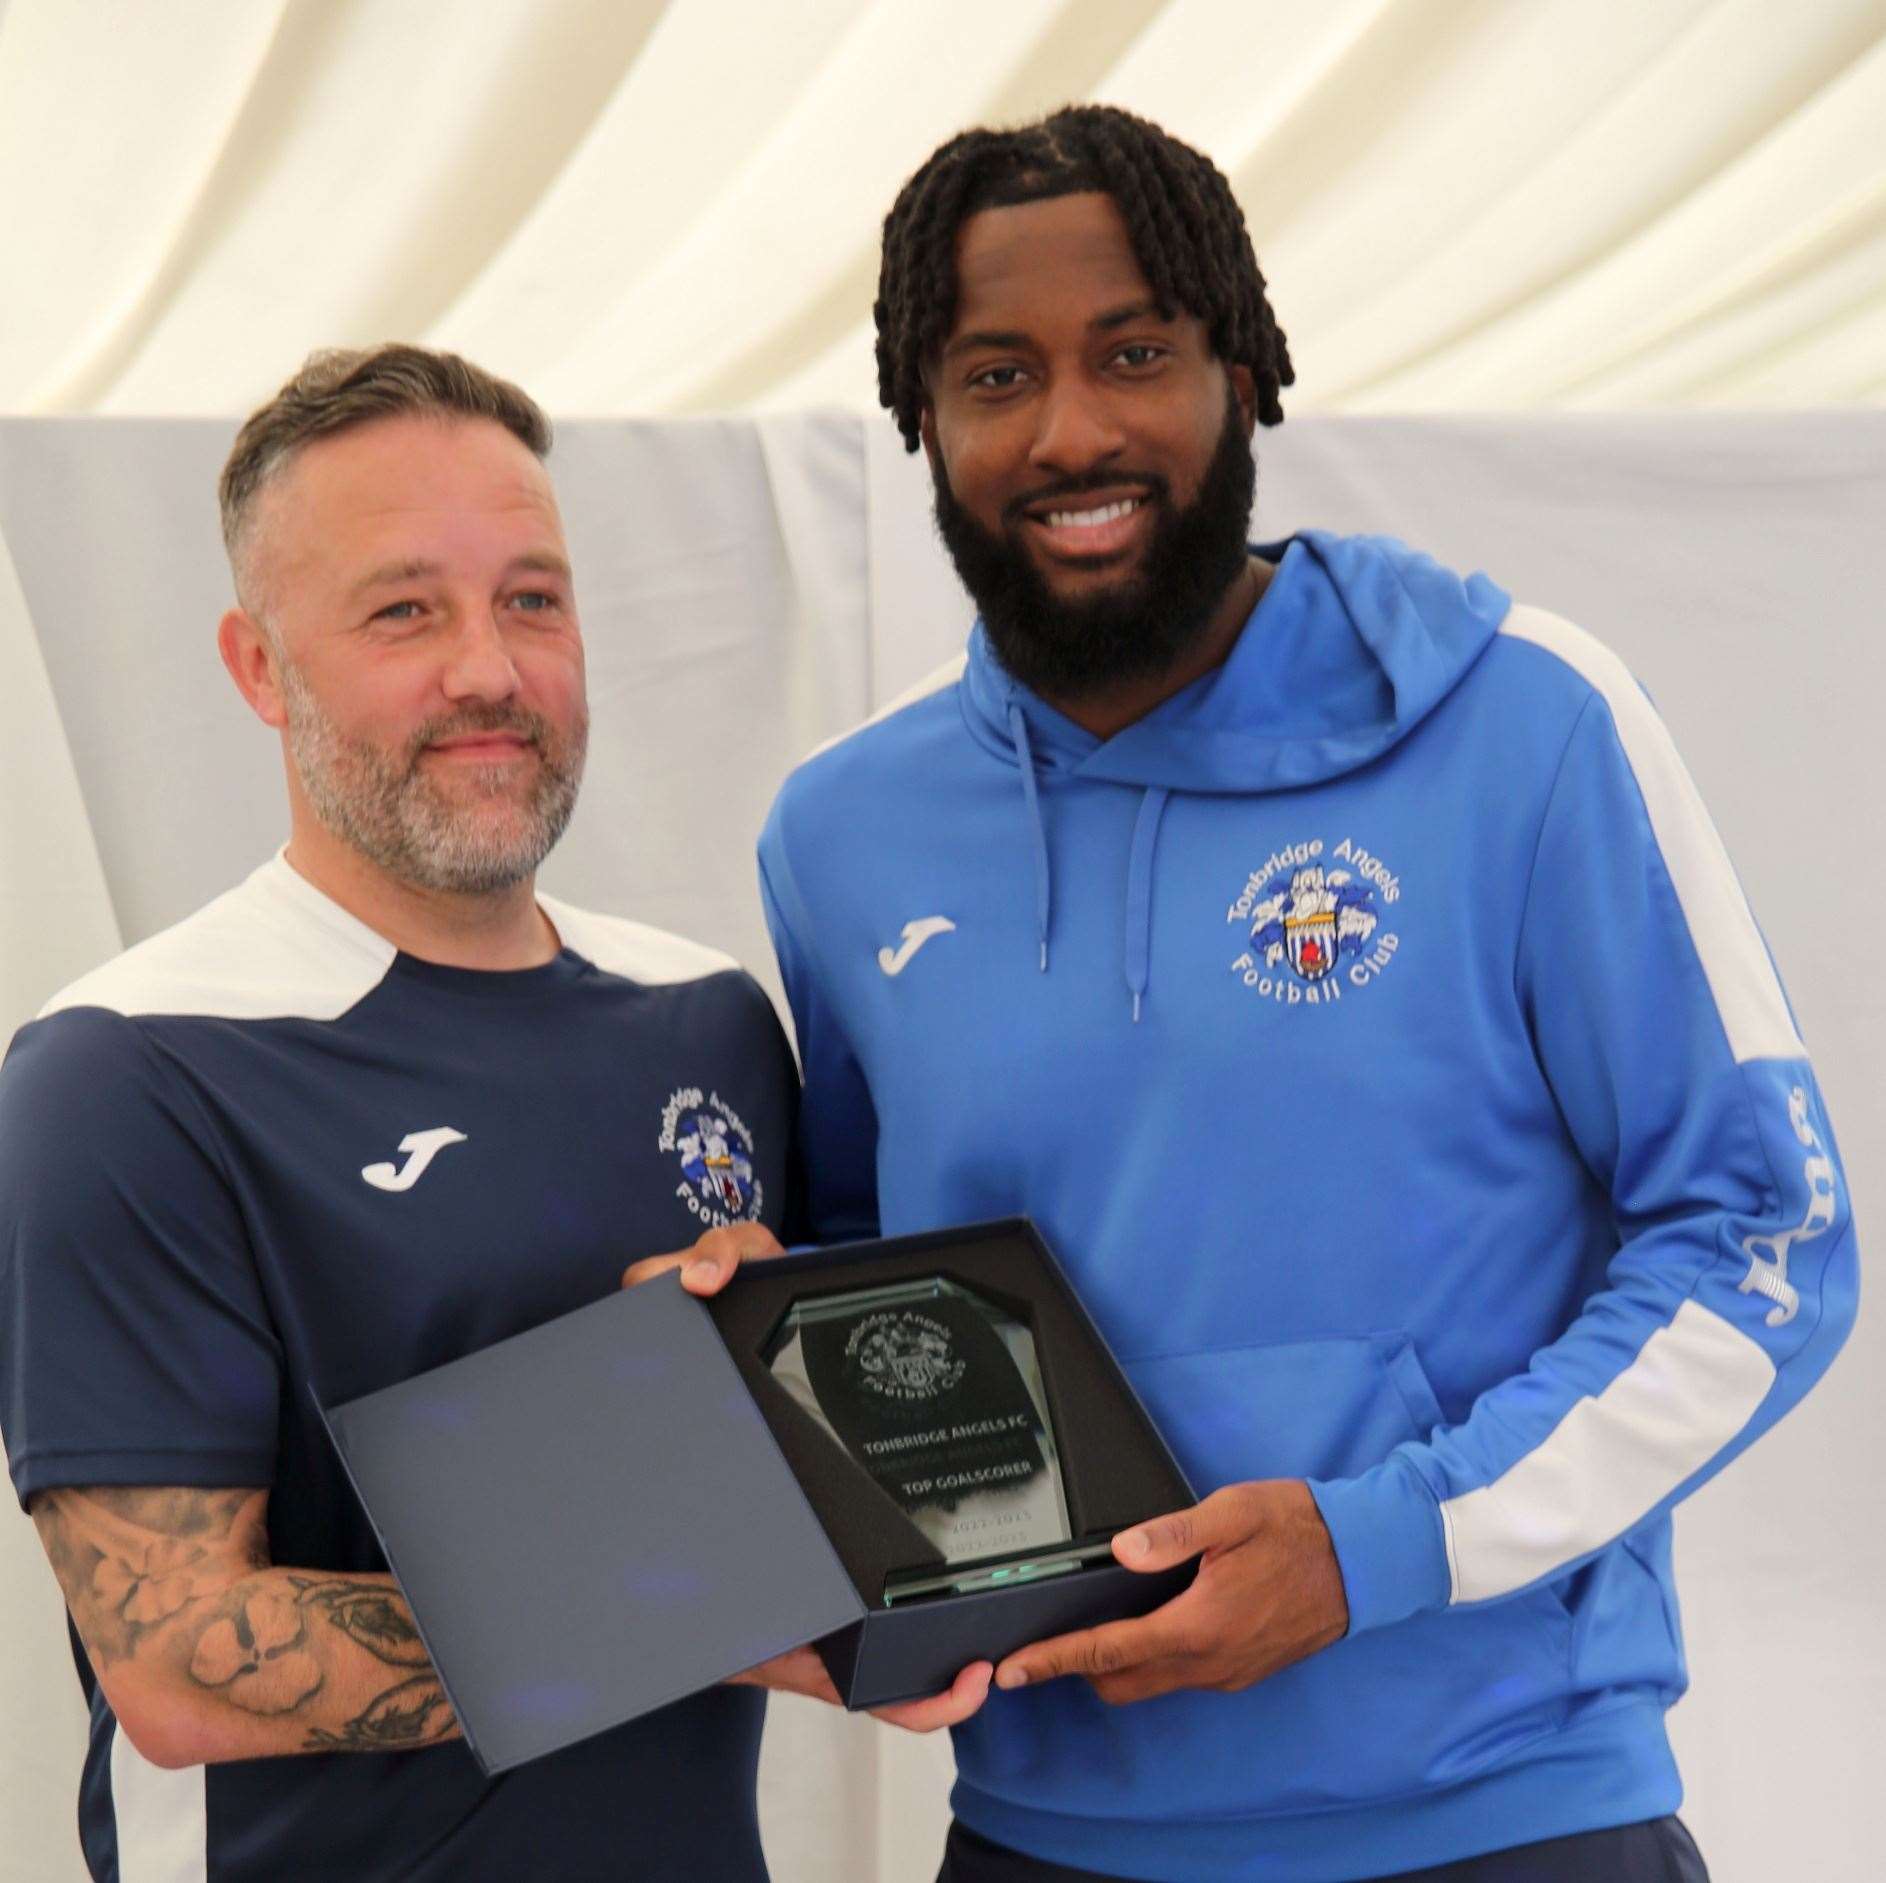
column 589, row 1521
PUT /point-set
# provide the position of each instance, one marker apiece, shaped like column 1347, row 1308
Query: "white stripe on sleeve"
column 1735, row 962
column 935, row 681
column 1611, row 1459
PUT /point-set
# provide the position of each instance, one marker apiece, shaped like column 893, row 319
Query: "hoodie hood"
column 1353, row 643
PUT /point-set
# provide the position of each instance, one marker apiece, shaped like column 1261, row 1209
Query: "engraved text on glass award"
column 936, row 1391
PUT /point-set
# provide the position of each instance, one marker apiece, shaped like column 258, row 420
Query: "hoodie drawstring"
column 1031, row 796
column 1139, row 867
column 1139, row 892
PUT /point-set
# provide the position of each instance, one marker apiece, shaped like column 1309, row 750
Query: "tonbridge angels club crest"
column 904, row 1356
column 716, row 1154
column 1311, row 917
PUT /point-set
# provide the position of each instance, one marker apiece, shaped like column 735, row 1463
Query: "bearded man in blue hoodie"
column 1449, row 1251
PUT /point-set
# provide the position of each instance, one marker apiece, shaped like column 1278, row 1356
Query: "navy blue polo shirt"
column 265, row 1156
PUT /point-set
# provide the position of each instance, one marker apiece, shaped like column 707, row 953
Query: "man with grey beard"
column 378, row 1106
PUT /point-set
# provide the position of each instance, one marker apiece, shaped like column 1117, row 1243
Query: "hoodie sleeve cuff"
column 1389, row 1543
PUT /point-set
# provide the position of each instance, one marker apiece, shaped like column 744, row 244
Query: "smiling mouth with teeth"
column 1089, row 519
column 1092, row 519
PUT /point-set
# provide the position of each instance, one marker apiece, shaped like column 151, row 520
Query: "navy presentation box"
column 614, row 1510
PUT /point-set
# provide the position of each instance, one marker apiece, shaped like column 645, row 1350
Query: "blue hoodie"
column 1380, row 1036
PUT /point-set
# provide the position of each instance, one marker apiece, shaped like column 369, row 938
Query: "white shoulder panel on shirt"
column 1735, row 959
column 272, row 948
column 946, row 675
column 633, row 950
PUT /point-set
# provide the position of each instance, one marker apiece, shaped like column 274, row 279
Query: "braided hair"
column 1186, row 228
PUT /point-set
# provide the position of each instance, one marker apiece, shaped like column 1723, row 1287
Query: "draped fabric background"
column 649, row 208
column 752, row 587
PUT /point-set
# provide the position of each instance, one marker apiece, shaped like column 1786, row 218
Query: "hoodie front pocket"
column 1293, row 1409
column 1400, row 1709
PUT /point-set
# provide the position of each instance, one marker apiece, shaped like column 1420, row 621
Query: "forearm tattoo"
column 181, row 1578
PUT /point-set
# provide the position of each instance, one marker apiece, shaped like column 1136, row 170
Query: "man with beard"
column 378, row 1106
column 1334, row 959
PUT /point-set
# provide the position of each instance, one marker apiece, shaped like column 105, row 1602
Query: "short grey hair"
column 341, row 387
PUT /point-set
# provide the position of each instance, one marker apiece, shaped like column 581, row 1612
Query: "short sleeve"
column 135, row 1345
column 838, row 1132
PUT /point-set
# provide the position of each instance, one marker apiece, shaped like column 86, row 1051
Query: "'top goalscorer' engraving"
column 937, row 1393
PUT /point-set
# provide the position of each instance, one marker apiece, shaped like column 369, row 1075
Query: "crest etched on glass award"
column 936, row 1391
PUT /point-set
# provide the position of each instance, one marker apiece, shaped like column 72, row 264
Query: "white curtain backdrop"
column 750, row 588
column 632, row 206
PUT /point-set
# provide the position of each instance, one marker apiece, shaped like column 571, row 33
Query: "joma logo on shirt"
column 1768, row 1254
column 421, row 1148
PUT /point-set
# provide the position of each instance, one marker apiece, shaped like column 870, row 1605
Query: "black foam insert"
column 1114, row 1467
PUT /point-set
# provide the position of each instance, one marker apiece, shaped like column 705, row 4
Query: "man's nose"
column 1076, row 430
column 479, row 666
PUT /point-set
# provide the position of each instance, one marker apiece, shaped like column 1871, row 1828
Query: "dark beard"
column 1136, row 630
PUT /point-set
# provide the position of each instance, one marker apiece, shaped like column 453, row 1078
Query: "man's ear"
column 251, row 662
column 926, row 431
column 1244, row 390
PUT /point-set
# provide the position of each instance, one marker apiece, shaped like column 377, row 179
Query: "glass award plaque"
column 936, row 1391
